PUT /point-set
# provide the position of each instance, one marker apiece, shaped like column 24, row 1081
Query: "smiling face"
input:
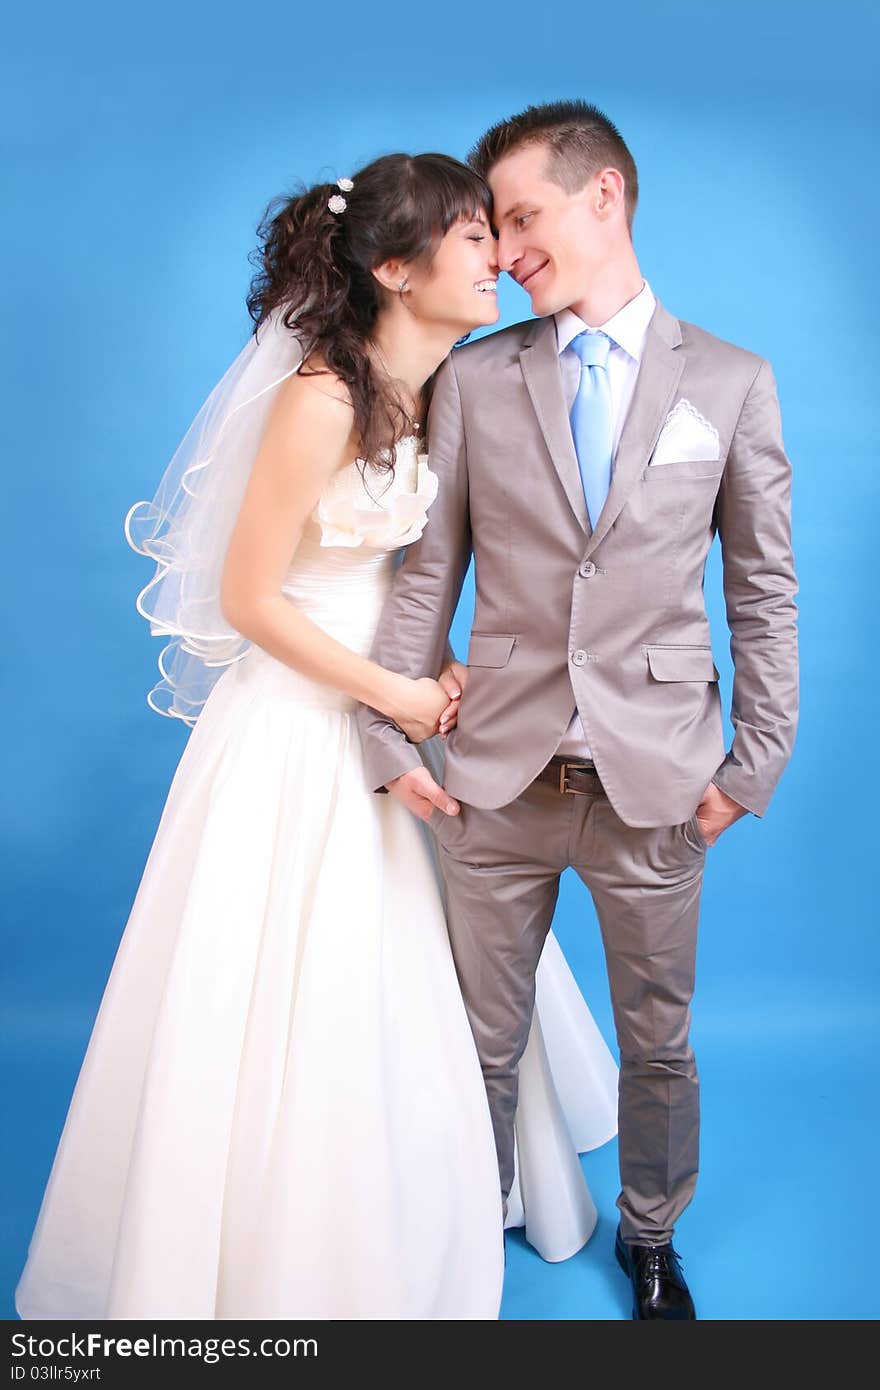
column 458, row 288
column 552, row 242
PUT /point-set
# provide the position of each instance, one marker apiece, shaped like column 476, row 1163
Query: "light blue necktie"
column 591, row 420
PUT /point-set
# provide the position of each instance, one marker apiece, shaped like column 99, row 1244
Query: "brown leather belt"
column 575, row 777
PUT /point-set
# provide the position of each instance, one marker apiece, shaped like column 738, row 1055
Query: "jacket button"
column 579, row 657
column 587, row 569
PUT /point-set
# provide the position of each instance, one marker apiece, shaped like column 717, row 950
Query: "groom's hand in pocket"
column 420, row 794
column 716, row 812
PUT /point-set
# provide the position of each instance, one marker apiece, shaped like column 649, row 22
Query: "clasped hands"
column 432, row 706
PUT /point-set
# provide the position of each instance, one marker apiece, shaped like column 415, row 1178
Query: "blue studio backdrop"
column 140, row 148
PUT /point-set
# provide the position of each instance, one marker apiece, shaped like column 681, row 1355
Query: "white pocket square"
column 686, row 436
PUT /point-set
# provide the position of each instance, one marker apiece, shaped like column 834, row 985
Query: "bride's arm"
column 309, row 435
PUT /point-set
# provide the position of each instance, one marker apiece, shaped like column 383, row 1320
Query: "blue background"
column 140, row 148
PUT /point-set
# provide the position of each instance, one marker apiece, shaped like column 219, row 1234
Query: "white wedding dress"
column 281, row 1113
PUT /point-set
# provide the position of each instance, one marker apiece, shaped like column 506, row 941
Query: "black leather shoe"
column 659, row 1289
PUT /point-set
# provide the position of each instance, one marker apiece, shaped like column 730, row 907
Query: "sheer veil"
column 187, row 526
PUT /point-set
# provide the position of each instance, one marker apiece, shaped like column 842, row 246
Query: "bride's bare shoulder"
column 314, row 410
column 316, row 396
column 315, row 375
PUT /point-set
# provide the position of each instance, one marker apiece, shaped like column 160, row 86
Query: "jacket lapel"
column 659, row 374
column 539, row 358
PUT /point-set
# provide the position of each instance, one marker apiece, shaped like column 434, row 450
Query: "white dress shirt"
column 626, row 329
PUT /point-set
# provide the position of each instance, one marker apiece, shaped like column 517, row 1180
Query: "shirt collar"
column 627, row 327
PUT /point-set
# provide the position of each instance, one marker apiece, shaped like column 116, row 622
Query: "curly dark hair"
column 315, row 267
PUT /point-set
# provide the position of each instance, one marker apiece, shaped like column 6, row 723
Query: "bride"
column 281, row 1113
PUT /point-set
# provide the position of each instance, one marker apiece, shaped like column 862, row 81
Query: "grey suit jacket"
column 613, row 619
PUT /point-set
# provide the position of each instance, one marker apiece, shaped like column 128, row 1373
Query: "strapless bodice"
column 344, row 564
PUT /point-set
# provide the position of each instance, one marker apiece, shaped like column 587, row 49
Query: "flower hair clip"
column 337, row 203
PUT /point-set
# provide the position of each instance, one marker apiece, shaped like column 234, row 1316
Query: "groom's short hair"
column 579, row 138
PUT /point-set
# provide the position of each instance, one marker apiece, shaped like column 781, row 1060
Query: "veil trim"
column 187, row 525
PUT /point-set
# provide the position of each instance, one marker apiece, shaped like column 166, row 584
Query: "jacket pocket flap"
column 682, row 663
column 489, row 649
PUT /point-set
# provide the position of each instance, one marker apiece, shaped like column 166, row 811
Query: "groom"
column 587, row 458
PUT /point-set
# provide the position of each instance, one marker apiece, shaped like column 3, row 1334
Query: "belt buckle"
column 563, row 778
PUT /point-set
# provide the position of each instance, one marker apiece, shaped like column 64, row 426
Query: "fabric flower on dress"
column 350, row 516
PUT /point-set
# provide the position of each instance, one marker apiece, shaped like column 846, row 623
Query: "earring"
column 402, row 286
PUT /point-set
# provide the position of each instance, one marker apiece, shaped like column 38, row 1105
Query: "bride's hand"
column 421, row 705
column 452, row 678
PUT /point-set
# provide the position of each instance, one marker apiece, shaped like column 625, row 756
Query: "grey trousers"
column 501, row 870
